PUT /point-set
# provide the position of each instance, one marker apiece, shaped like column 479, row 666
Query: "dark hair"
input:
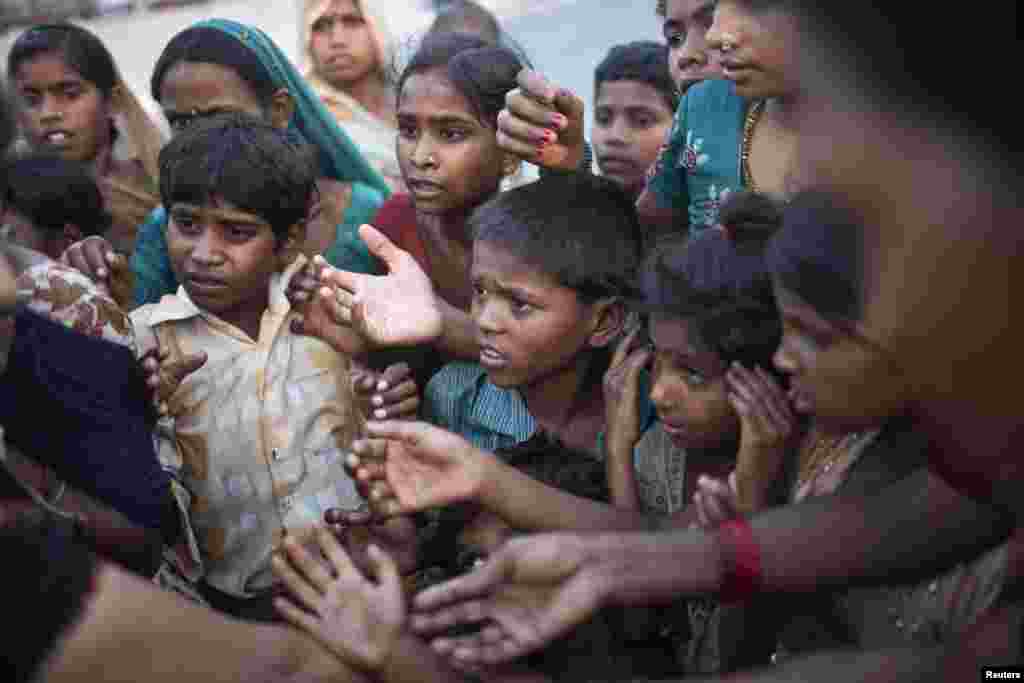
column 80, row 50
column 546, row 459
column 644, row 61
column 923, row 85
column 53, row 192
column 482, row 74
column 720, row 285
column 579, row 228
column 253, row 165
column 455, row 17
column 207, row 45
column 817, row 256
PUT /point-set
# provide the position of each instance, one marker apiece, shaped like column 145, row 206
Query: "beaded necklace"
column 749, row 124
column 821, row 453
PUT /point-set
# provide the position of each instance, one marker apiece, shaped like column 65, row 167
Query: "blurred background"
column 563, row 38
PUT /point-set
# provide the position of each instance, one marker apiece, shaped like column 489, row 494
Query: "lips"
column 205, row 284
column 731, row 68
column 57, row 138
column 491, row 358
column 616, row 165
column 424, row 188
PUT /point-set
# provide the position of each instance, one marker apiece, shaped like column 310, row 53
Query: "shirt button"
column 287, row 503
column 933, row 587
column 275, row 454
column 899, row 624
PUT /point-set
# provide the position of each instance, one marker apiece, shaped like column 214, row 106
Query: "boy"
column 551, row 261
column 255, row 433
column 634, row 102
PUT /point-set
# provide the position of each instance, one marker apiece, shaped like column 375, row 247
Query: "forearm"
column 413, row 661
column 458, row 335
column 528, row 504
column 883, row 666
column 622, row 477
column 132, row 631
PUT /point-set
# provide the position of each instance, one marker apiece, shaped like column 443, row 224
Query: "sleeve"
column 666, row 182
column 150, row 263
column 349, row 252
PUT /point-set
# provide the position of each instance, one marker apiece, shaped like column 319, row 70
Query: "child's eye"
column 694, row 378
column 407, row 131
column 520, row 309
column 323, row 24
column 642, row 120
column 72, row 92
column 602, row 117
column 185, row 223
column 453, row 134
column 238, row 233
column 32, row 99
column 674, row 39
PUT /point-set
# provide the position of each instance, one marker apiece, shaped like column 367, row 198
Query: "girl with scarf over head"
column 349, row 55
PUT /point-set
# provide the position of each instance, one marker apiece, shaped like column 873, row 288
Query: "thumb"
column 381, row 247
column 398, row 430
column 181, row 369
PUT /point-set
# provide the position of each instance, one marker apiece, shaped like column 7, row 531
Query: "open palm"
column 421, row 466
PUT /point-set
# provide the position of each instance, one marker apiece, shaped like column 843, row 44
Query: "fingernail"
column 102, row 272
column 382, row 385
column 378, row 400
column 380, row 413
column 559, row 120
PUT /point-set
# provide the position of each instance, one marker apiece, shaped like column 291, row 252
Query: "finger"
column 535, row 85
column 623, row 349
column 741, row 407
column 776, row 400
column 407, row 409
column 369, row 471
column 571, row 107
column 296, row 616
column 470, row 612
column 369, row 449
column 524, row 130
column 466, row 587
column 383, row 248
column 337, row 304
column 307, row 565
column 702, row 517
column 398, row 430
column 521, row 149
column 394, row 375
column 364, row 381
column 340, row 517
column 304, row 591
column 187, row 365
column 336, row 555
column 398, row 391
column 385, row 571
column 98, row 254
column 716, row 513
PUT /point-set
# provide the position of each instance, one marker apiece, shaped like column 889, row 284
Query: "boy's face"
column 631, row 120
column 688, row 388
column 530, row 328
column 224, row 257
column 449, row 160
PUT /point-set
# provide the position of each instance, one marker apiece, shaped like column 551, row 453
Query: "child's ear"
column 607, row 322
column 291, row 246
column 282, row 106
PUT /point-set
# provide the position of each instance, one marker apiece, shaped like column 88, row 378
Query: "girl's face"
column 342, row 45
column 756, row 48
column 450, row 160
column 846, row 382
column 192, row 90
column 631, row 120
column 531, row 329
column 686, row 25
column 61, row 111
column 688, row 388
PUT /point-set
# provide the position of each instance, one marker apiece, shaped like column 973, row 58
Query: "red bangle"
column 741, row 561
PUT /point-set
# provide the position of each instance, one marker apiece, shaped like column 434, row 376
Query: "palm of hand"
column 360, row 623
column 397, row 309
column 423, row 479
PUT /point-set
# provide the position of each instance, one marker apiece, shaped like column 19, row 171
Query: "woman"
column 349, row 56
column 248, row 72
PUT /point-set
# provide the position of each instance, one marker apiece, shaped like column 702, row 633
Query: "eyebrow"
column 222, row 215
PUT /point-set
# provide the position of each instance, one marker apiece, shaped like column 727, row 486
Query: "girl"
column 75, row 103
column 449, row 97
column 349, row 54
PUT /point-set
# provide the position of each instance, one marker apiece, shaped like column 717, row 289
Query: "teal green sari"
column 338, row 157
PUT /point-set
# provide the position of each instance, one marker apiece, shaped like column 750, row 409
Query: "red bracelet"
column 741, row 561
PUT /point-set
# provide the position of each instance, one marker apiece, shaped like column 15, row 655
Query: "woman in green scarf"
column 217, row 66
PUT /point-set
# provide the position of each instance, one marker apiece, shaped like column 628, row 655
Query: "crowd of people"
column 340, row 392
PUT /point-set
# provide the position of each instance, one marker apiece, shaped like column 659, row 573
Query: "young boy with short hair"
column 255, row 435
column 634, row 101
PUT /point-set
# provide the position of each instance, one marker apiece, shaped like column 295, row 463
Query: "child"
column 634, row 99
column 71, row 95
column 255, row 434
column 551, row 262
column 449, row 97
column 50, row 203
column 685, row 25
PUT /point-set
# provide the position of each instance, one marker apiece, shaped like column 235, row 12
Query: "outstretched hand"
column 357, row 619
column 413, row 466
column 319, row 310
column 110, row 272
column 389, row 394
column 531, row 592
column 397, row 309
column 542, row 124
